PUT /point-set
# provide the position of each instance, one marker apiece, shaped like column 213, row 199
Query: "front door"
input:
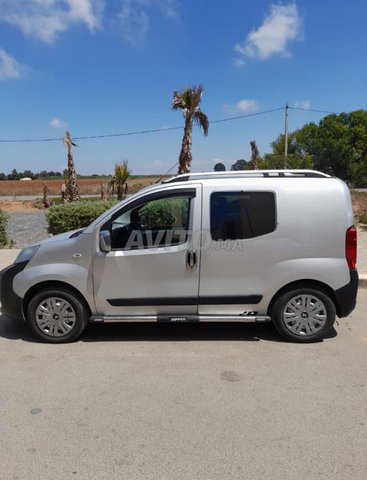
column 152, row 268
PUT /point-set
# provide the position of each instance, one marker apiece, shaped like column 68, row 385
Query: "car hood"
column 62, row 236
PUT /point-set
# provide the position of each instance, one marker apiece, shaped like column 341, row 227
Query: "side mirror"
column 105, row 241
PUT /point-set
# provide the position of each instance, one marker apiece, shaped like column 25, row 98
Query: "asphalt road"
column 184, row 402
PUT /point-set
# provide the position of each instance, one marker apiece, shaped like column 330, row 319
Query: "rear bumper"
column 11, row 304
column 346, row 297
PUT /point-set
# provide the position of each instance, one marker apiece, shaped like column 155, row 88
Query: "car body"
column 226, row 246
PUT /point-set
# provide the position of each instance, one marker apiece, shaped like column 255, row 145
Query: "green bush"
column 71, row 216
column 38, row 203
column 363, row 218
column 3, row 224
column 167, row 213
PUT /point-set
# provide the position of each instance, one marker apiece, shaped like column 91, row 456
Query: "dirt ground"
column 359, row 202
column 34, row 188
column 17, row 206
column 87, row 186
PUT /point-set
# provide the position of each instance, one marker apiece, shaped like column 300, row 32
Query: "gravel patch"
column 26, row 228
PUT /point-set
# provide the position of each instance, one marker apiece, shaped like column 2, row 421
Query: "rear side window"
column 239, row 215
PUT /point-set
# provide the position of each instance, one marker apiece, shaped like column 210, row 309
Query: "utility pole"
column 286, row 136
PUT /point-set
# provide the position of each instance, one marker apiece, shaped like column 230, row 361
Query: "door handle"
column 191, row 259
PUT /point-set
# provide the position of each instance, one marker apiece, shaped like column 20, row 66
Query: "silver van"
column 243, row 246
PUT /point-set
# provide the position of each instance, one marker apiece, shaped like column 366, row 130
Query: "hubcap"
column 55, row 317
column 304, row 315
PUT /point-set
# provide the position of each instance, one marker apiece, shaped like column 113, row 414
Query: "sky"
column 101, row 67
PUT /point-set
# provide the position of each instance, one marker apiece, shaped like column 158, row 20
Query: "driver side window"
column 157, row 223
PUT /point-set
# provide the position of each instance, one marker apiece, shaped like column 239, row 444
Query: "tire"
column 303, row 315
column 57, row 315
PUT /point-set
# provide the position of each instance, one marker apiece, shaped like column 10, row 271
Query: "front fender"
column 76, row 276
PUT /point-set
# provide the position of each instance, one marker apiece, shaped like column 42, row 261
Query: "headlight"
column 26, row 254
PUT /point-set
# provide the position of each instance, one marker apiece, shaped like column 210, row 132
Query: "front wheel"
column 303, row 315
column 57, row 315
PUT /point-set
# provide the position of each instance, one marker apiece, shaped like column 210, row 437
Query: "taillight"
column 351, row 247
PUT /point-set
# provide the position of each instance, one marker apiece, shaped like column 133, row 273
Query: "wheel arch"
column 49, row 284
column 307, row 283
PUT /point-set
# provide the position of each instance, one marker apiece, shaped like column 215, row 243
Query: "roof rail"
column 247, row 174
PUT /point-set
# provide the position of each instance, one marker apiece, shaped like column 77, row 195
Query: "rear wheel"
column 304, row 314
column 57, row 316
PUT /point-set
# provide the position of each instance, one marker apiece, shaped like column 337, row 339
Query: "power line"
column 247, row 115
column 168, row 171
column 313, row 110
column 159, row 130
column 140, row 132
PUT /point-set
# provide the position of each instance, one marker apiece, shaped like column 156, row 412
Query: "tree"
column 340, row 146
column 188, row 100
column 27, row 173
column 118, row 184
column 337, row 145
column 45, row 192
column 219, row 167
column 240, row 165
column 72, row 192
column 255, row 155
column 294, row 162
column 14, row 175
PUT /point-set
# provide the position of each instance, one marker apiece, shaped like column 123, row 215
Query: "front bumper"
column 11, row 304
column 346, row 297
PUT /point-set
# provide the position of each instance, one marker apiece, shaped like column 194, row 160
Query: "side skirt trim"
column 179, row 318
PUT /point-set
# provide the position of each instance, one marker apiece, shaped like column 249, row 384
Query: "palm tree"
column 188, row 100
column 255, row 155
column 118, row 184
column 72, row 192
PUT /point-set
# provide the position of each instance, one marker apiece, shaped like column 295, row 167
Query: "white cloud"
column 135, row 17
column 280, row 26
column 306, row 104
column 9, row 67
column 57, row 123
column 169, row 8
column 239, row 62
column 246, row 105
column 45, row 19
column 87, row 11
column 134, row 23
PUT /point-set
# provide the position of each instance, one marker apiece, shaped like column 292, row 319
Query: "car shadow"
column 157, row 332
column 13, row 329
column 130, row 332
